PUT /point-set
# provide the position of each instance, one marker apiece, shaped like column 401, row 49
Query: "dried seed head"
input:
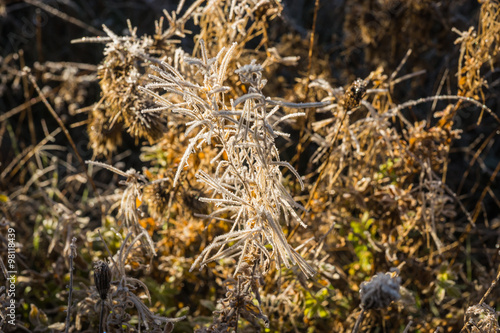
column 102, row 278
column 104, row 137
column 157, row 197
column 72, row 246
column 150, row 125
column 354, row 94
column 482, row 318
column 380, row 291
column 191, row 198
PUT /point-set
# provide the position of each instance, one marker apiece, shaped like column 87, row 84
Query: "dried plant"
column 478, row 49
column 481, row 318
column 239, row 302
column 122, row 295
column 135, row 182
column 247, row 184
column 288, row 215
column 243, row 21
column 72, row 255
column 102, row 280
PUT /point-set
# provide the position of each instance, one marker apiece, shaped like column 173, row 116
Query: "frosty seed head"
column 380, row 291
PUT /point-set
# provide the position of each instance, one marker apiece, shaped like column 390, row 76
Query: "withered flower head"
column 143, row 123
column 157, row 197
column 191, row 198
column 104, row 137
column 102, row 278
column 380, row 291
column 482, row 318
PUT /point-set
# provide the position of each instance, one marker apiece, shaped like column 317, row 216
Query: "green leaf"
column 323, row 313
column 182, row 312
column 440, row 293
column 208, row 304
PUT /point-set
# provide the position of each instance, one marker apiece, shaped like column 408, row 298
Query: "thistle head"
column 144, row 123
column 102, row 278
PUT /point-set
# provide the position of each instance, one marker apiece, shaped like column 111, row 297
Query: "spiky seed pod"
column 102, row 278
column 191, row 198
column 157, row 197
column 149, row 124
column 354, row 94
column 103, row 138
column 380, row 291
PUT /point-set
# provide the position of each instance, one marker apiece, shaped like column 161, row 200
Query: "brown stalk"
column 64, row 16
column 302, row 141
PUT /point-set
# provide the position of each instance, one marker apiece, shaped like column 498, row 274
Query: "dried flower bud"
column 102, row 278
column 380, row 291
column 72, row 247
column 354, row 94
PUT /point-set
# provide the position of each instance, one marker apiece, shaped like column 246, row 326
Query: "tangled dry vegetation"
column 238, row 171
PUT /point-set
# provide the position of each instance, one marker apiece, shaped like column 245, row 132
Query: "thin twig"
column 493, row 284
column 27, row 71
column 64, row 16
column 298, row 105
column 311, row 45
column 407, row 328
column 401, row 64
column 444, row 97
column 329, row 153
column 101, row 317
column 25, row 155
column 408, row 76
column 302, row 142
column 491, row 181
column 72, row 255
column 322, row 169
column 26, row 105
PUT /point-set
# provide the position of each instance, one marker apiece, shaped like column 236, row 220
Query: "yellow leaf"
column 148, row 174
column 462, row 80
